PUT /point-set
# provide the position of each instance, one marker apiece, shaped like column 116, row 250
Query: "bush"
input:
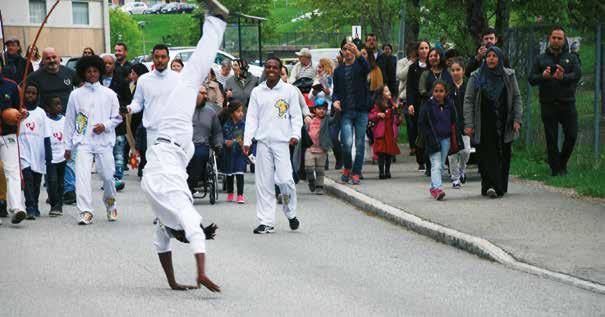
column 123, row 28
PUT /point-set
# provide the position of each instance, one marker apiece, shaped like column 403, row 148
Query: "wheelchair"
column 209, row 186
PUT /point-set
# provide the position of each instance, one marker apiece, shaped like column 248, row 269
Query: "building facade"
column 74, row 25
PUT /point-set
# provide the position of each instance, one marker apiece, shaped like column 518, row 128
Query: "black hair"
column 379, row 99
column 160, row 47
column 343, row 43
column 442, row 83
column 88, row 48
column 441, row 58
column 48, row 100
column 451, row 53
column 286, row 68
column 123, row 45
column 460, row 61
column 557, row 28
column 489, row 31
column 275, row 58
column 422, row 41
column 139, row 69
column 370, row 35
column 387, row 44
column 86, row 62
column 225, row 114
column 32, row 84
column 177, row 60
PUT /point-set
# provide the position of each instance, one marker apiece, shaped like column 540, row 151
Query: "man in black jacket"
column 15, row 63
column 112, row 79
column 388, row 65
column 488, row 38
column 557, row 73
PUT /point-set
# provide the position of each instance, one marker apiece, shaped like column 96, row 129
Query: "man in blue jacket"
column 352, row 99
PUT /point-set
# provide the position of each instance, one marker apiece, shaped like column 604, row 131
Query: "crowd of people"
column 168, row 121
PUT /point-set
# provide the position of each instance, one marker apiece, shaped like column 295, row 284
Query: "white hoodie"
column 274, row 115
column 87, row 106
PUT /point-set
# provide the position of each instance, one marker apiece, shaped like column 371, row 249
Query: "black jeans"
column 240, row 184
column 384, row 163
column 31, row 191
column 553, row 114
column 197, row 165
column 411, row 124
column 54, row 185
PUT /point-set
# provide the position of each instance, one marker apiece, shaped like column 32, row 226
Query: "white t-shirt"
column 57, row 141
column 32, row 132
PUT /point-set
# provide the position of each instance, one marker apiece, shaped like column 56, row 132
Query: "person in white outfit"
column 274, row 120
column 165, row 177
column 90, row 121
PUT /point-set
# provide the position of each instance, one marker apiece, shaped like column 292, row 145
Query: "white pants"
column 105, row 165
column 459, row 160
column 10, row 158
column 165, row 177
column 273, row 168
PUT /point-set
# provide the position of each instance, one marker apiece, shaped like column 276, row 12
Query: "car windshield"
column 184, row 56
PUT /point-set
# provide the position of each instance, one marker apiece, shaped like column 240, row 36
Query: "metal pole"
column 260, row 48
column 401, row 52
column 528, row 107
column 239, row 36
column 597, row 85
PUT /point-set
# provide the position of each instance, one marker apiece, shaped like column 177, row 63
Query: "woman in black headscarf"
column 492, row 117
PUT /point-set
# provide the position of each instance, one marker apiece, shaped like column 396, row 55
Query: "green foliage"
column 123, row 28
column 580, row 12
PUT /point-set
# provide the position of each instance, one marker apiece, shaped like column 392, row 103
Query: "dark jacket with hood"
column 15, row 68
column 553, row 90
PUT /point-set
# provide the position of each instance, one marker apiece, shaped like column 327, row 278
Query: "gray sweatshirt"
column 206, row 127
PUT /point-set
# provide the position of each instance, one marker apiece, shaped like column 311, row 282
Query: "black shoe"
column 55, row 213
column 69, row 198
column 215, row 8
column 388, row 175
column 3, row 211
column 312, row 185
column 427, row 173
column 263, row 229
column 30, row 217
column 491, row 193
column 294, row 223
column 421, row 168
column 18, row 217
column 119, row 184
column 382, row 176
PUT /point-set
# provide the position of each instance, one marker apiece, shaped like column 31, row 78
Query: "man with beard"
column 54, row 79
column 122, row 65
column 15, row 63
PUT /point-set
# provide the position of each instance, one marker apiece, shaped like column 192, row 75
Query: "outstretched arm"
column 166, row 261
column 201, row 274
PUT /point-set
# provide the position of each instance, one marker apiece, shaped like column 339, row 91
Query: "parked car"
column 155, row 9
column 172, row 7
column 187, row 7
column 134, row 8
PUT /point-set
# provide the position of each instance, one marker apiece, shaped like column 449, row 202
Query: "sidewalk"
column 536, row 226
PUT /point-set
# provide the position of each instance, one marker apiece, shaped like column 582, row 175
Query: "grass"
column 162, row 26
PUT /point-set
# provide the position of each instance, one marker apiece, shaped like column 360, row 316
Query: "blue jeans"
column 437, row 162
column 69, row 182
column 118, row 155
column 353, row 122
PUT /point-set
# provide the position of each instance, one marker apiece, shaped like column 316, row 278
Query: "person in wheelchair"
column 207, row 133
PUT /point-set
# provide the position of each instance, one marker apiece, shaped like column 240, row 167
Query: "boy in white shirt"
column 55, row 172
column 34, row 146
column 274, row 120
column 90, row 121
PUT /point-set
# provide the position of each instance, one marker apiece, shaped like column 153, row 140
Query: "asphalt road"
column 341, row 262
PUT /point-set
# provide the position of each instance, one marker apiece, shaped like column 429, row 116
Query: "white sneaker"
column 85, row 218
column 112, row 215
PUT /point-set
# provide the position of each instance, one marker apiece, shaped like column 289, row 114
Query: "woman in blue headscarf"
column 492, row 117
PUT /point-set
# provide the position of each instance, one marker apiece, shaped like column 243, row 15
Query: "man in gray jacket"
column 207, row 132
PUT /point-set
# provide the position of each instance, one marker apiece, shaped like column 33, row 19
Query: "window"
column 80, row 12
column 37, row 11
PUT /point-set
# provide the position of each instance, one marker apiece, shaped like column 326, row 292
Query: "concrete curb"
column 475, row 245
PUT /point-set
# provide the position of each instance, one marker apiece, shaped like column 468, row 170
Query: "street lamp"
column 142, row 27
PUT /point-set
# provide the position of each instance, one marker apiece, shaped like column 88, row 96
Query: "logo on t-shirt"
column 31, row 126
column 58, row 136
column 67, row 81
column 282, row 107
column 81, row 123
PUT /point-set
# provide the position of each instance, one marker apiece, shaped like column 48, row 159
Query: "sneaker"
column 18, row 217
column 119, row 184
column 456, row 185
column 55, row 213
column 491, row 193
column 294, row 223
column 312, row 185
column 215, row 8
column 263, row 229
column 319, row 190
column 3, row 211
column 30, row 217
column 437, row 193
column 346, row 175
column 355, row 180
column 85, row 218
column 240, row 199
column 427, row 173
column 462, row 178
column 230, row 197
column 69, row 198
column 112, row 215
column 421, row 168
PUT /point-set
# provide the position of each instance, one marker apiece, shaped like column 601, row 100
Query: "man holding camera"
column 557, row 72
column 488, row 39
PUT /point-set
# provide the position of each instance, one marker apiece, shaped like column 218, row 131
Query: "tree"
column 476, row 19
column 123, row 28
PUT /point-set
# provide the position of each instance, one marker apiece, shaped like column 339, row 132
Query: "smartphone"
column 349, row 39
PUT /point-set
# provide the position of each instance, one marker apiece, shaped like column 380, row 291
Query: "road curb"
column 475, row 245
